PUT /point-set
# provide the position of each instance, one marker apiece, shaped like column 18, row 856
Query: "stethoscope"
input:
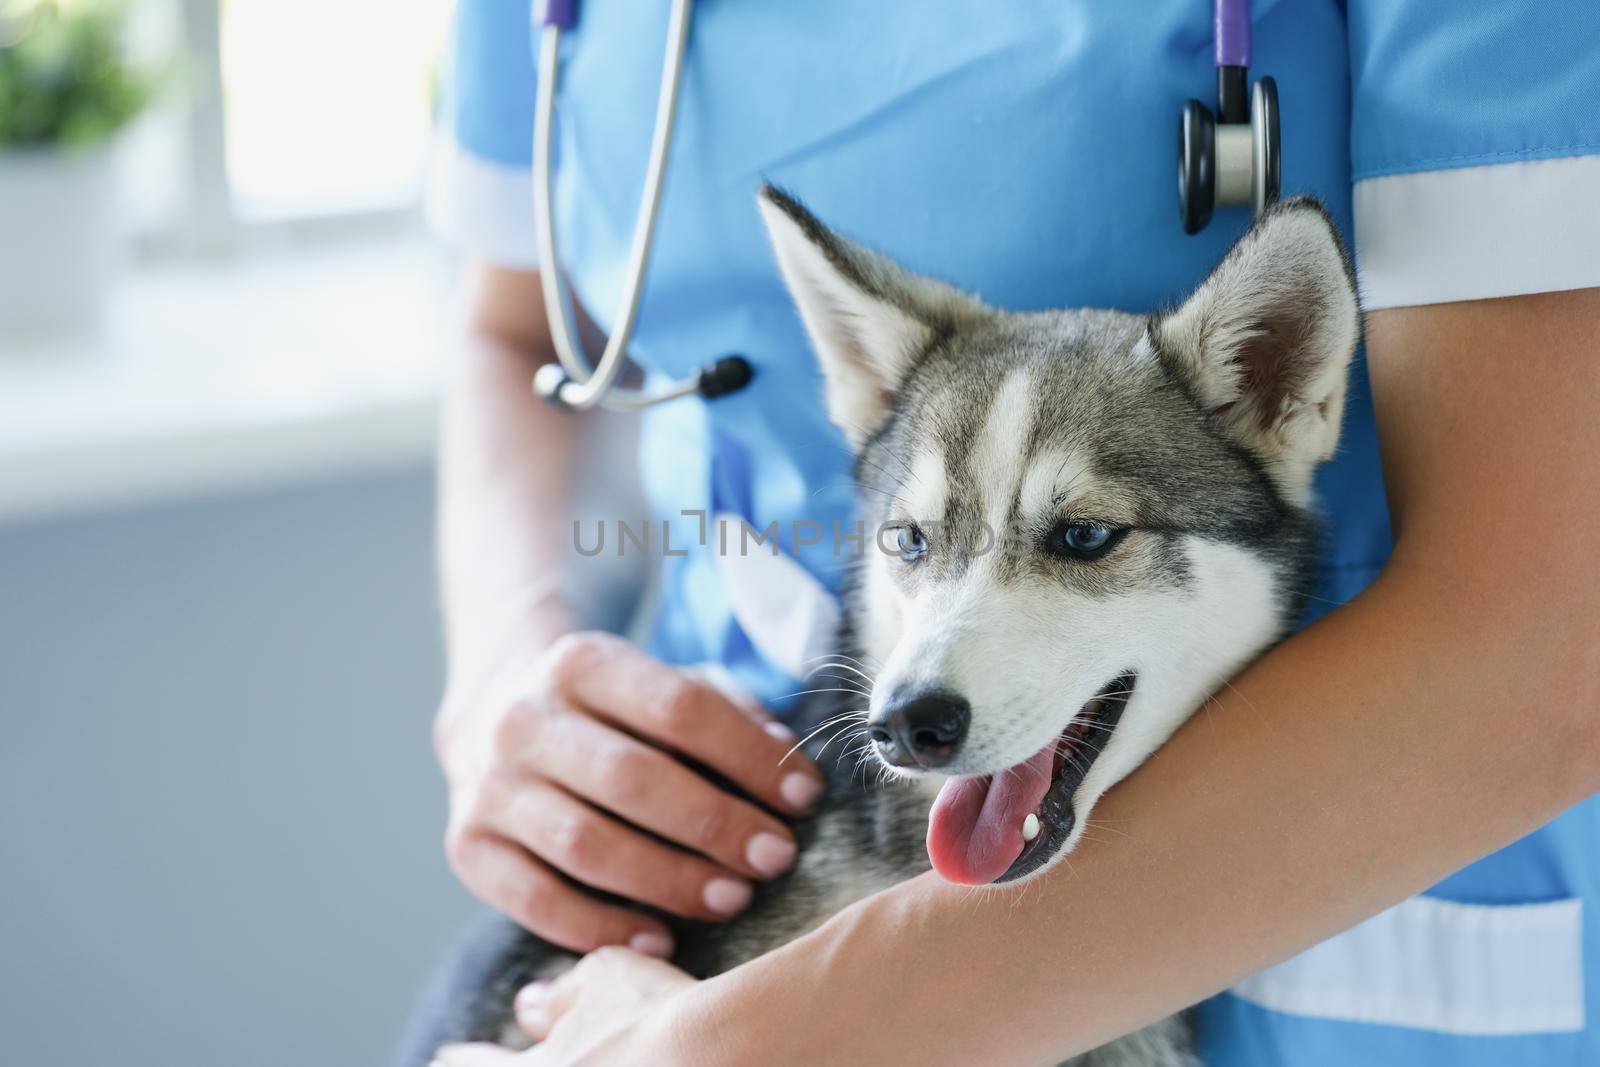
column 1234, row 159
column 571, row 382
column 1229, row 160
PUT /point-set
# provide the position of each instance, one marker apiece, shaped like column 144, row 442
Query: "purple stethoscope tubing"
column 1230, row 32
column 564, row 13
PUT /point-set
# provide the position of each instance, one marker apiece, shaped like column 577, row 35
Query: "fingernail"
column 781, row 732
column 651, row 943
column 727, row 895
column 532, row 997
column 530, row 1007
column 769, row 853
column 800, row 790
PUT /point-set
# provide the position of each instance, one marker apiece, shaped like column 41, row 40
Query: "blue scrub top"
column 1024, row 152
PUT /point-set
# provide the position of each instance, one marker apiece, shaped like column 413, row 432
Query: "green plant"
column 66, row 79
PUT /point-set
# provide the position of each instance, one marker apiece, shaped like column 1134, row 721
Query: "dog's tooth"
column 1030, row 827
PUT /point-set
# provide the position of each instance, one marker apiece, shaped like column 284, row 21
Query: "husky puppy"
column 1088, row 521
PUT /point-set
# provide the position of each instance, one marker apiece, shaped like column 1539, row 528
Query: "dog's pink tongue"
column 975, row 827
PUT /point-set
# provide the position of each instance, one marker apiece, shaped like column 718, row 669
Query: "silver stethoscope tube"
column 573, row 383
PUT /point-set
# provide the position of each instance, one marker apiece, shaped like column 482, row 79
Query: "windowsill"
column 280, row 367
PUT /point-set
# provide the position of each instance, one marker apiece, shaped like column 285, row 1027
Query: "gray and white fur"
column 1192, row 434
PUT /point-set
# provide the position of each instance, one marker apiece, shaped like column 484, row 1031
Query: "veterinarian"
column 1435, row 731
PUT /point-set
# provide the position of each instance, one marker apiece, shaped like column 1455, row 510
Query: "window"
column 326, row 104
column 288, row 111
column 278, row 313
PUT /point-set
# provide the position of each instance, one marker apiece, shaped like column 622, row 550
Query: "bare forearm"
column 1447, row 711
column 1264, row 827
column 503, row 463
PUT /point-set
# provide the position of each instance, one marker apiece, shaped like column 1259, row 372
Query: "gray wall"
column 220, row 835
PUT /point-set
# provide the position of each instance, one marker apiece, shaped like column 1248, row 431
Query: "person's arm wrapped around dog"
column 1444, row 713
column 1447, row 711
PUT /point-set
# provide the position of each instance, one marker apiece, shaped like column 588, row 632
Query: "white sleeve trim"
column 1473, row 233
column 481, row 207
column 1428, row 964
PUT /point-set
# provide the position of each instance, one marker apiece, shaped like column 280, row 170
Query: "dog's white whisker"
column 848, row 685
column 832, row 689
column 849, row 664
column 851, row 683
column 864, row 761
column 845, row 730
column 840, row 721
column 800, row 743
column 832, row 655
column 1071, row 758
column 1100, row 824
column 843, row 718
column 844, row 667
column 1087, row 724
column 909, row 472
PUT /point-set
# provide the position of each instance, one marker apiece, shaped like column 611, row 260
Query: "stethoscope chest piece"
column 718, row 378
column 1234, row 159
column 1223, row 164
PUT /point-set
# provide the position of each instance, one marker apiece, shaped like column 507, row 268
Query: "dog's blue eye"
column 1087, row 538
column 1082, row 540
column 913, row 546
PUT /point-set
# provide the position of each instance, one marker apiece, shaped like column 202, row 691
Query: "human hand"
column 596, row 1013
column 560, row 763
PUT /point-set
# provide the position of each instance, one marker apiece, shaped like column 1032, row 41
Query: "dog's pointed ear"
column 868, row 318
column 1265, row 343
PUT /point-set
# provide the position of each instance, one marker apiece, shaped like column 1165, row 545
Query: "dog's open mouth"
column 1000, row 827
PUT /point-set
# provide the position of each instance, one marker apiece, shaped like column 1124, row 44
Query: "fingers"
column 603, row 853
column 654, row 791
column 505, row 876
column 722, row 680
column 536, row 1010
column 621, row 976
column 687, row 714
column 567, row 782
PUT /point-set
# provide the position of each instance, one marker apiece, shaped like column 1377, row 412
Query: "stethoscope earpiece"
column 1235, row 158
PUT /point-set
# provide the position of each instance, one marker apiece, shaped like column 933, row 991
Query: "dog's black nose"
column 924, row 731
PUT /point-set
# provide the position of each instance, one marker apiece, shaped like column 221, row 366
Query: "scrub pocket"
column 1429, row 964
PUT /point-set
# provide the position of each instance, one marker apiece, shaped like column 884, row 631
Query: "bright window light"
column 328, row 103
